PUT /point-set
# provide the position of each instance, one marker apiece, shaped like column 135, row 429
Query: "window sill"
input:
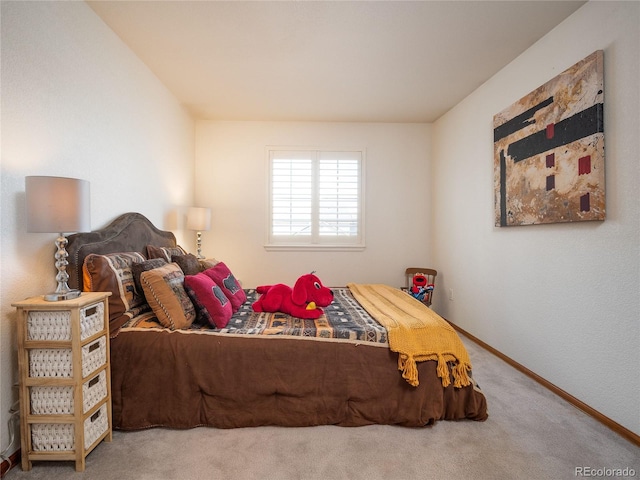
column 314, row 248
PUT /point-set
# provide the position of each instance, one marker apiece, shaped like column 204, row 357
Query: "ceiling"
column 352, row 61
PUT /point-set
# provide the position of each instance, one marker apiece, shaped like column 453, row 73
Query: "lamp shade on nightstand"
column 57, row 205
column 199, row 219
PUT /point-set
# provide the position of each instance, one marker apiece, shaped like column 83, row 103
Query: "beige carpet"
column 530, row 434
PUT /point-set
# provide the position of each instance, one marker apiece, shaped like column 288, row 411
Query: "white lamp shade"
column 199, row 218
column 57, row 205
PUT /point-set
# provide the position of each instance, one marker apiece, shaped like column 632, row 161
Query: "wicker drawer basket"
column 56, row 325
column 55, row 437
column 59, row 400
column 58, row 362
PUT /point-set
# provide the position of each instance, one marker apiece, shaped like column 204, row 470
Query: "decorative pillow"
column 206, row 263
column 212, row 305
column 188, row 263
column 228, row 283
column 164, row 252
column 163, row 287
column 138, row 268
column 112, row 273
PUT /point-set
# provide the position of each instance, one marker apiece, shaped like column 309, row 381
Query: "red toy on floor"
column 420, row 288
column 303, row 300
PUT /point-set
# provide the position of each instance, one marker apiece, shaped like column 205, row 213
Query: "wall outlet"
column 451, row 294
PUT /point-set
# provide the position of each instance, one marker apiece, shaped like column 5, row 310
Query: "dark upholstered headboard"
column 130, row 232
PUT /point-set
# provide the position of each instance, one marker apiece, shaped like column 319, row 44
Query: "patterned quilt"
column 344, row 319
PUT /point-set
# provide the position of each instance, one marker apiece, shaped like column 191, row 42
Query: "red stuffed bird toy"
column 303, row 300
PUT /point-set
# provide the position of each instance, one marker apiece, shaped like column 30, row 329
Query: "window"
column 315, row 199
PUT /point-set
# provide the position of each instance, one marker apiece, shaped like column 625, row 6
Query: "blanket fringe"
column 443, row 371
column 409, row 368
column 461, row 375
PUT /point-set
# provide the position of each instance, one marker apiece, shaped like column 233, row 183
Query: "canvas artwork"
column 549, row 151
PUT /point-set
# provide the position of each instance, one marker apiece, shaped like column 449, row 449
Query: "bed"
column 262, row 368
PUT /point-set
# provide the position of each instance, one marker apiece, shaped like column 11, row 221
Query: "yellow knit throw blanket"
column 415, row 332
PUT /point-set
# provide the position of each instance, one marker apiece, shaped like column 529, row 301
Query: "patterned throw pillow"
column 188, row 263
column 164, row 252
column 212, row 305
column 113, row 273
column 228, row 283
column 164, row 290
column 206, row 263
column 138, row 268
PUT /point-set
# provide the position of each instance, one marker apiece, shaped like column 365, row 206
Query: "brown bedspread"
column 228, row 381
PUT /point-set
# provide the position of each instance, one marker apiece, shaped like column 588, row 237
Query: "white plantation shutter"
column 338, row 183
column 291, row 180
column 316, row 198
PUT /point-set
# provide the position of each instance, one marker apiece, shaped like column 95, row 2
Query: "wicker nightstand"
column 65, row 383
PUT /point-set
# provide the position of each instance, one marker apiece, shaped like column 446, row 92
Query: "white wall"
column 561, row 299
column 231, row 178
column 76, row 102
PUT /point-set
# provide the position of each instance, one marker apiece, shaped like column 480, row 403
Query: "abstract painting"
column 549, row 151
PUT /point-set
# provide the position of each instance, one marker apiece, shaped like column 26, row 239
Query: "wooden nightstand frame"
column 75, row 380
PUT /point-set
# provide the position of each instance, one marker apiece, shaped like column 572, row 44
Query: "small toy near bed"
column 174, row 366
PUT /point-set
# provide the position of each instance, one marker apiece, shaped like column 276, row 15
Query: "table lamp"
column 199, row 219
column 58, row 205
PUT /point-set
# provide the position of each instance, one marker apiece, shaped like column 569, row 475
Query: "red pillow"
column 210, row 302
column 228, row 283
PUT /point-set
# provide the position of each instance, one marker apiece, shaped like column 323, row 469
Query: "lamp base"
column 59, row 296
column 63, row 292
column 199, row 254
